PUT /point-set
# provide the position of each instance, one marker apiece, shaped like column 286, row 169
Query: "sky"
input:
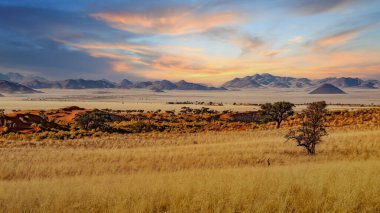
column 196, row 40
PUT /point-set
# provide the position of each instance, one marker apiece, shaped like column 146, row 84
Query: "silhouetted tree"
column 312, row 127
column 277, row 111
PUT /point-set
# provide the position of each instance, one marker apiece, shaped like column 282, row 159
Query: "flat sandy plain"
column 121, row 99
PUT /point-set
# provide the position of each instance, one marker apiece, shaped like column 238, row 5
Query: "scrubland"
column 229, row 171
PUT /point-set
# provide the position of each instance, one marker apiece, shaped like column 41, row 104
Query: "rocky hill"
column 18, row 78
column 327, row 89
column 11, row 87
column 184, row 85
column 267, row 80
column 70, row 84
column 125, row 83
column 84, row 84
column 350, row 82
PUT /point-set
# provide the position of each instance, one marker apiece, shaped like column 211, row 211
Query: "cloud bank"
column 196, row 40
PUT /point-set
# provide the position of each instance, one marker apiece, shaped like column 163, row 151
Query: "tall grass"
column 203, row 150
column 204, row 172
column 330, row 187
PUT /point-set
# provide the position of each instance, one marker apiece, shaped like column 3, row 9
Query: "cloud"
column 51, row 23
column 249, row 43
column 195, row 40
column 29, row 42
column 246, row 42
column 317, row 64
column 50, row 59
column 337, row 39
column 313, row 7
column 172, row 62
column 296, row 40
column 168, row 22
column 342, row 37
column 159, row 61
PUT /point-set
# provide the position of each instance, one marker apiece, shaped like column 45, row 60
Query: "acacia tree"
column 277, row 111
column 312, row 127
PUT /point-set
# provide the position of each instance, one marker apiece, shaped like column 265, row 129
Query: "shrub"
column 97, row 120
column 140, row 126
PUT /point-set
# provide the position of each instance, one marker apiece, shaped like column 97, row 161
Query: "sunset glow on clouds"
column 168, row 23
column 203, row 41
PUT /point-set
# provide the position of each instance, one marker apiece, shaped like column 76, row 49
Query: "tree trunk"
column 278, row 124
column 311, row 149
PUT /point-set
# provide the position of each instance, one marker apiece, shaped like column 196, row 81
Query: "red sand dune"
column 22, row 121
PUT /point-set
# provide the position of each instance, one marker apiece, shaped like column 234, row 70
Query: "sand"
column 122, row 99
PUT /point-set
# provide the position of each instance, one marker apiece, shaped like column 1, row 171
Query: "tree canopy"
column 277, row 111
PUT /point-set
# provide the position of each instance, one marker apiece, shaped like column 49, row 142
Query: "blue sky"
column 203, row 41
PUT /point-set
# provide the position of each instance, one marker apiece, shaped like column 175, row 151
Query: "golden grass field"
column 200, row 172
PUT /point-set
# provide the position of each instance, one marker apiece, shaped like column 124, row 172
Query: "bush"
column 140, row 126
column 97, row 120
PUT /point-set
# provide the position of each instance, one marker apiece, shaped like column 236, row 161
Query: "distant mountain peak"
column 267, row 80
column 349, row 82
column 12, row 87
column 125, row 83
column 327, row 89
column 19, row 78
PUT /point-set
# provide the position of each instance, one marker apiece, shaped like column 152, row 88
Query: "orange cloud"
column 173, row 23
column 183, row 62
column 342, row 37
column 130, row 47
column 121, row 66
column 322, row 64
column 337, row 39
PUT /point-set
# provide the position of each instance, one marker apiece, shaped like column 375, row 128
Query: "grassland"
column 194, row 172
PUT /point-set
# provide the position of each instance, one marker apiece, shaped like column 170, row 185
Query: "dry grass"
column 331, row 187
column 204, row 172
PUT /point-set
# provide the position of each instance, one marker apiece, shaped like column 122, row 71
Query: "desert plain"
column 121, row 99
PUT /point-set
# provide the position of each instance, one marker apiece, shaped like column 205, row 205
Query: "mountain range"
column 270, row 81
column 36, row 82
column 18, row 83
column 11, row 87
column 168, row 85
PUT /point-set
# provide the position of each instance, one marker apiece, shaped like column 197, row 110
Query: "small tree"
column 277, row 111
column 312, row 127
